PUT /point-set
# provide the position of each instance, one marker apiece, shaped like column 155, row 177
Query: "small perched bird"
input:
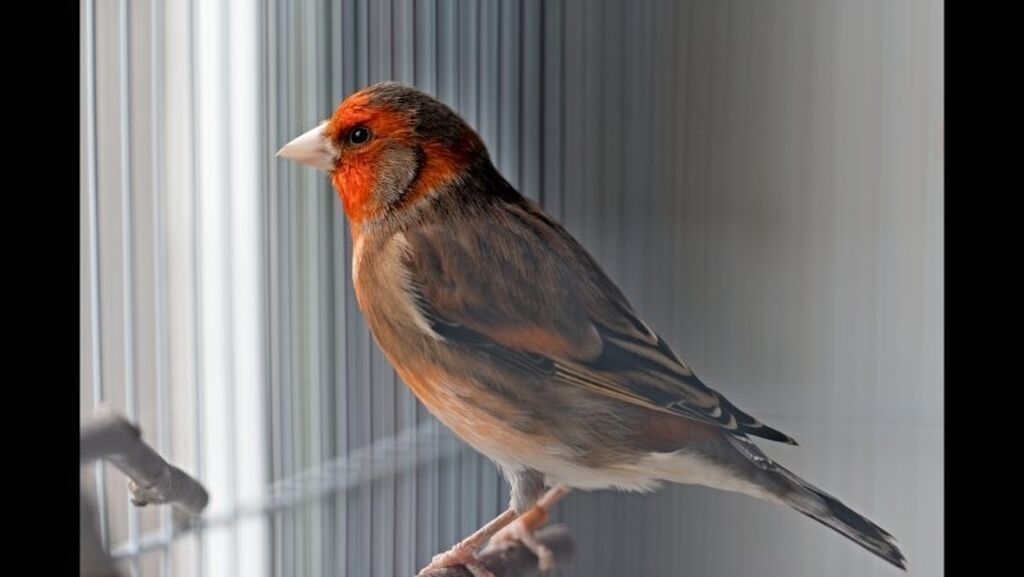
column 510, row 333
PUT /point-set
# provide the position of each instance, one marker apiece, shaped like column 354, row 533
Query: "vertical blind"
column 762, row 179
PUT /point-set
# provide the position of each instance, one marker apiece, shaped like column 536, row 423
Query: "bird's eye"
column 359, row 135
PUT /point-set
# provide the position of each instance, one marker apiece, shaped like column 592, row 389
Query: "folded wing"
column 541, row 305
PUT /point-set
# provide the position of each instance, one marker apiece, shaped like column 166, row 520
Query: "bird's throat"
column 355, row 186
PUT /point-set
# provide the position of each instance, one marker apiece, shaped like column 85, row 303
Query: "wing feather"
column 533, row 300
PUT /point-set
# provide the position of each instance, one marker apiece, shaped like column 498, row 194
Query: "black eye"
column 359, row 135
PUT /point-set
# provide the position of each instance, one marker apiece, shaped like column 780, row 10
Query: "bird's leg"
column 522, row 529
column 464, row 552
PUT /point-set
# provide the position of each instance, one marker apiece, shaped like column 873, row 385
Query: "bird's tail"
column 819, row 505
column 829, row 511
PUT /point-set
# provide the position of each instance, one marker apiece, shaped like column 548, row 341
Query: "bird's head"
column 386, row 147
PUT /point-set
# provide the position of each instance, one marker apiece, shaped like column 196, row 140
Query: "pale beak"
column 312, row 148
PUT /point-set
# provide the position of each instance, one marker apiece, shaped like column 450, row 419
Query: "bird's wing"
column 532, row 298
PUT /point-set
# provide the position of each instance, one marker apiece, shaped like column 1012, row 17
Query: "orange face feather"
column 443, row 164
column 356, row 174
column 359, row 167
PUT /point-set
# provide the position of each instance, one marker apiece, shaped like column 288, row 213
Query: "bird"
column 511, row 334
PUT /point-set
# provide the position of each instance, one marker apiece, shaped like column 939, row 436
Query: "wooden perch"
column 517, row 560
column 111, row 437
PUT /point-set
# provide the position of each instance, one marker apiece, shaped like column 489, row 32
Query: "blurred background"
column 763, row 179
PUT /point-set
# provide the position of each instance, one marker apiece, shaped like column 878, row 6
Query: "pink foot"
column 457, row 555
column 519, row 532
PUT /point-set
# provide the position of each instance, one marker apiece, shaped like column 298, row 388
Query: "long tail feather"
column 817, row 504
column 831, row 512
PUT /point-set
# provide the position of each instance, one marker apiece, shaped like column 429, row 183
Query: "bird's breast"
column 490, row 422
column 383, row 288
column 484, row 420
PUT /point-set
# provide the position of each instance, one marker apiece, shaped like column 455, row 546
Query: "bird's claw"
column 457, row 555
column 518, row 532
